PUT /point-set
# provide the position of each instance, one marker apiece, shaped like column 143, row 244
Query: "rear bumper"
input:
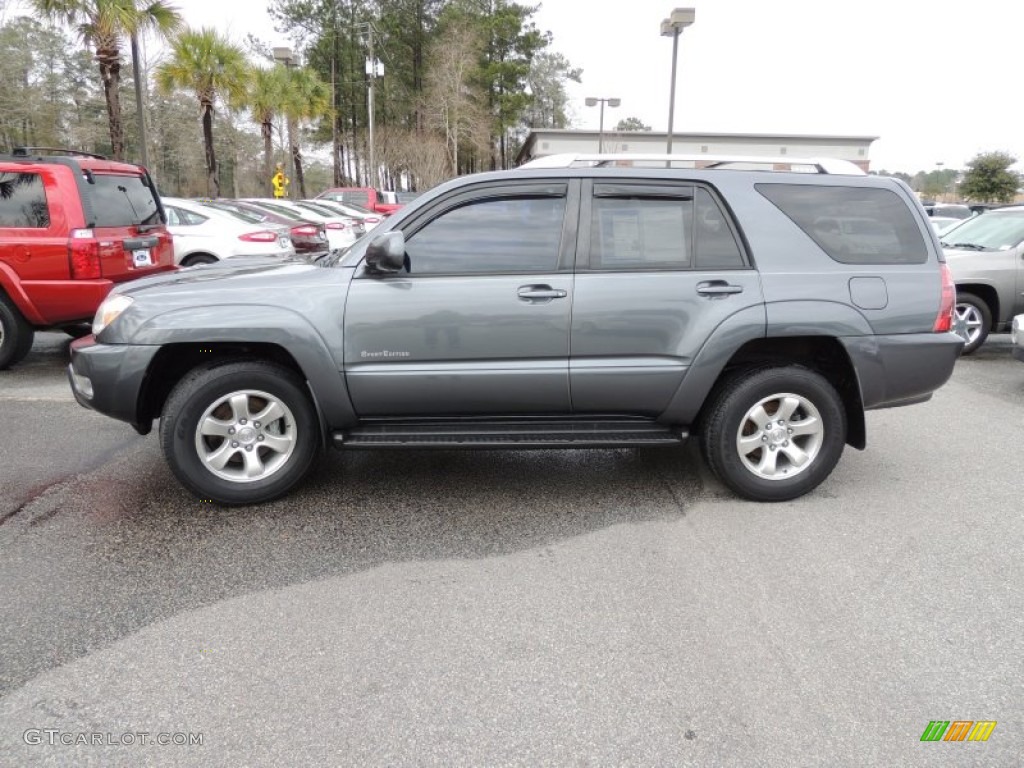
column 902, row 369
column 108, row 378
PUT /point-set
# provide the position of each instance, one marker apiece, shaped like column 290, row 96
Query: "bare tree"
column 452, row 102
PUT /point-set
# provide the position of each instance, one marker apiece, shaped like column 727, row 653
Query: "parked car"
column 548, row 307
column 204, row 235
column 341, row 230
column 367, row 218
column 1017, row 337
column 309, row 238
column 367, row 197
column 986, row 258
column 326, row 209
column 943, row 223
column 72, row 225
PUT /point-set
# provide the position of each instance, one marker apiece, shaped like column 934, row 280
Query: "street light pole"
column 679, row 19
column 591, row 101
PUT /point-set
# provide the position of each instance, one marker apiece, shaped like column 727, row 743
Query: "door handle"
column 718, row 288
column 535, row 292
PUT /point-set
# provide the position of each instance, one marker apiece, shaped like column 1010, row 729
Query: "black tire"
column 198, row 258
column 16, row 335
column 190, row 402
column 729, row 413
column 970, row 306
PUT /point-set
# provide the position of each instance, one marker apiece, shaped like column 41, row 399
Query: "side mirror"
column 386, row 252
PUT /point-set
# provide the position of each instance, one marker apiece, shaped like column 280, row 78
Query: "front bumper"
column 109, row 378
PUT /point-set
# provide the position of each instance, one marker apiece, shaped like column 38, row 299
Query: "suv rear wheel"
column 239, row 433
column 16, row 335
column 773, row 434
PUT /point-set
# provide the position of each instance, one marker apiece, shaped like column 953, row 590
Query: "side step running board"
column 509, row 433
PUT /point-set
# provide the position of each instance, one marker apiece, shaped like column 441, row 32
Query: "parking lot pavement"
column 524, row 608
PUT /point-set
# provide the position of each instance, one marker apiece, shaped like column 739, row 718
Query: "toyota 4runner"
column 70, row 228
column 577, row 306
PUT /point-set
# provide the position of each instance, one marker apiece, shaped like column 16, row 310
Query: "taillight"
column 335, row 225
column 372, row 220
column 944, row 320
column 305, row 230
column 84, row 255
column 259, row 237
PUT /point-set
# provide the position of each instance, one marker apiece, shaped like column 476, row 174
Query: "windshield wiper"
column 965, row 246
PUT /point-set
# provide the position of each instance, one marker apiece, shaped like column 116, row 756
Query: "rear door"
column 659, row 268
column 33, row 230
column 128, row 225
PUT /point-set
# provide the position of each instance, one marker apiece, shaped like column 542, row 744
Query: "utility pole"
column 141, row 112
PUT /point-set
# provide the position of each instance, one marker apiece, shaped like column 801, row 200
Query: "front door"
column 478, row 321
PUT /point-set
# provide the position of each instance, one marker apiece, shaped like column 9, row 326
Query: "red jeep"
column 71, row 227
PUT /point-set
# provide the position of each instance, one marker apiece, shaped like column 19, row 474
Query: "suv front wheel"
column 239, row 433
column 773, row 434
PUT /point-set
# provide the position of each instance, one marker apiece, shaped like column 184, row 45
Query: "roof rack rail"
column 702, row 161
column 26, row 151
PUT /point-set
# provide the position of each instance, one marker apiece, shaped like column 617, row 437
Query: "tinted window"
column 122, row 201
column 640, row 228
column 853, row 225
column 716, row 244
column 23, row 201
column 491, row 236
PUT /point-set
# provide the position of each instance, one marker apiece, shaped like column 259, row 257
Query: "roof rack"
column 26, row 151
column 702, row 161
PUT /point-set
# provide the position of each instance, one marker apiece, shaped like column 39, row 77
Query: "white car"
column 341, row 230
column 369, row 219
column 205, row 235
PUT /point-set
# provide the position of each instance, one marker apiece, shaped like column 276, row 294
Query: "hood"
column 251, row 270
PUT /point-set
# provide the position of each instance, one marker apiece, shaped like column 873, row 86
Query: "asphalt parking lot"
column 583, row 608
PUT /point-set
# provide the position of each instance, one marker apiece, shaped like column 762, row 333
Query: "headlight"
column 109, row 310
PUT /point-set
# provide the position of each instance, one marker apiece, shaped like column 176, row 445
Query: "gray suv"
column 986, row 258
column 762, row 312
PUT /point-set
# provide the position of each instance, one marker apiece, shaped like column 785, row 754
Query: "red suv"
column 71, row 227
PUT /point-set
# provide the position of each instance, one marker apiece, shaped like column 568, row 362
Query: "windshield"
column 989, row 231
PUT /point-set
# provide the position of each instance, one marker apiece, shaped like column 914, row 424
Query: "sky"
column 935, row 81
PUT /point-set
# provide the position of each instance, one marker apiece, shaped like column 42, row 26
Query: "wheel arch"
column 985, row 292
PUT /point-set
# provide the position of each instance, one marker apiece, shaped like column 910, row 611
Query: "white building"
column 543, row 142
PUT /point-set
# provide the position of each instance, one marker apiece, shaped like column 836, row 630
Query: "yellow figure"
column 280, row 182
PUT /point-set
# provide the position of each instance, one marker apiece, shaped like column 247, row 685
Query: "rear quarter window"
column 23, row 201
column 122, row 201
column 853, row 225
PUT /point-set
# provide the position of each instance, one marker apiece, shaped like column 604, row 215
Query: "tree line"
column 988, row 178
column 464, row 81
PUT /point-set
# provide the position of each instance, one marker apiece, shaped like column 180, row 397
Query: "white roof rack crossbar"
column 829, row 165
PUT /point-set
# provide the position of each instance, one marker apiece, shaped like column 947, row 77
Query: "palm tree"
column 306, row 97
column 103, row 24
column 211, row 67
column 265, row 99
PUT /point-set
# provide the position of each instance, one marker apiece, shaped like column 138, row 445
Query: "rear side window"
column 23, row 201
column 641, row 227
column 853, row 225
column 122, row 201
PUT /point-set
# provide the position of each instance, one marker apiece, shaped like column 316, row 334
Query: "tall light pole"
column 374, row 69
column 592, row 101
column 678, row 20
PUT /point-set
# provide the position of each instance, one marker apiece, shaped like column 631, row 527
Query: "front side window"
column 23, row 201
column 121, row 201
column 640, row 228
column 495, row 235
column 853, row 225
